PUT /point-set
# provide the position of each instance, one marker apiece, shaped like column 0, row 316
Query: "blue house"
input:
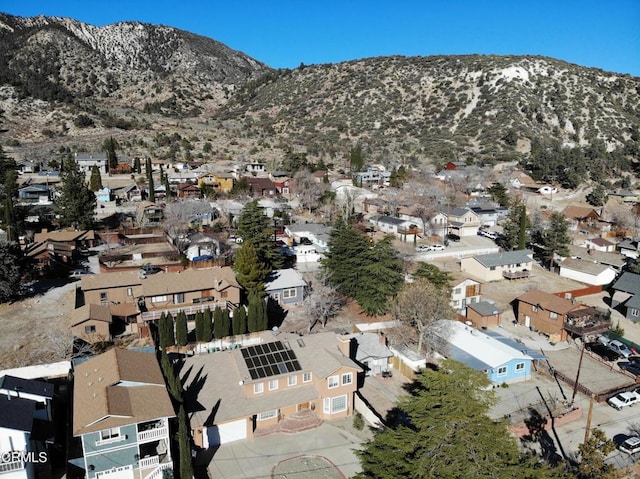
column 285, row 286
column 121, row 413
column 626, row 295
column 502, row 359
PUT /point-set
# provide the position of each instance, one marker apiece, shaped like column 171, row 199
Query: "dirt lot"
column 37, row 329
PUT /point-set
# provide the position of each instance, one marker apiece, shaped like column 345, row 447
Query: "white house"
column 587, row 272
column 464, row 292
column 16, row 423
column 496, row 266
column 401, row 229
column 86, row 161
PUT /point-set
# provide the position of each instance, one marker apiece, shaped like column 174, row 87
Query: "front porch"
column 303, row 420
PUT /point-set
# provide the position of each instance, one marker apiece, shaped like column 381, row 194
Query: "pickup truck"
column 623, row 400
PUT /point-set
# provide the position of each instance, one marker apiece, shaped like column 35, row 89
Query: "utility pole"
column 575, row 386
column 588, row 429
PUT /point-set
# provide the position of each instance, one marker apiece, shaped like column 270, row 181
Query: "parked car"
column 631, row 445
column 430, row 247
column 77, row 273
column 620, row 348
column 453, row 237
column 622, row 400
column 150, row 269
column 634, row 359
column 488, row 234
column 633, row 368
column 603, row 351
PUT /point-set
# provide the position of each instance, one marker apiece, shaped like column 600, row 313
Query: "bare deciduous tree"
column 322, row 302
column 419, row 306
column 309, row 191
column 179, row 215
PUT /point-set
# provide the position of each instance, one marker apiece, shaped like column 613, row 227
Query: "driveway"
column 252, row 458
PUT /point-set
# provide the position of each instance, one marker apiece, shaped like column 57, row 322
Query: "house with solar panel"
column 287, row 383
column 501, row 358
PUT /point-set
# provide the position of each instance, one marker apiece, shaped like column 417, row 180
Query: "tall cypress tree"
column 11, row 192
column 207, row 327
column 169, row 331
column 162, row 331
column 181, row 329
column 136, row 165
column 199, row 326
column 257, row 313
column 226, row 323
column 109, row 147
column 184, row 445
column 239, row 321
column 218, row 323
column 151, row 187
column 95, row 180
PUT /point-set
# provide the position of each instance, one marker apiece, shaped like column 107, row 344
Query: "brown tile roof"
column 548, row 301
column 101, row 400
column 84, row 313
column 217, row 278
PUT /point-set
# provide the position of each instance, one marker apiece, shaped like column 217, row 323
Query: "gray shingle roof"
column 629, row 283
column 505, row 258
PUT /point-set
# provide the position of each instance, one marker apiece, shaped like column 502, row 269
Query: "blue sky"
column 603, row 34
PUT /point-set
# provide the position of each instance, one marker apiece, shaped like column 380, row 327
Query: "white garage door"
column 228, row 432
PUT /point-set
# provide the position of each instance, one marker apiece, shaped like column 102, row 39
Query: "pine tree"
column 255, row 229
column 207, row 329
column 555, row 239
column 95, row 180
column 184, row 445
column 218, row 323
column 199, row 327
column 136, row 165
column 380, row 277
column 182, row 333
column 251, row 273
column 76, row 203
column 10, row 271
column 150, row 186
column 239, row 321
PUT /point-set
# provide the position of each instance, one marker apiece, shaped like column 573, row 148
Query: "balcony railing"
column 11, row 466
column 515, row 274
column 149, row 462
column 586, row 328
column 157, row 472
column 188, row 310
column 152, row 434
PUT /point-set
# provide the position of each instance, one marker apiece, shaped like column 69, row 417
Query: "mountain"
column 165, row 92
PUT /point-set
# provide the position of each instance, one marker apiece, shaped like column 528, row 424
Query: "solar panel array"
column 269, row 359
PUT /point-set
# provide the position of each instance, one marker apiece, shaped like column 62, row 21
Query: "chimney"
column 382, row 338
column 346, row 346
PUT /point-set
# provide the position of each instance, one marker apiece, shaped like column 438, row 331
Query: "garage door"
column 228, row 432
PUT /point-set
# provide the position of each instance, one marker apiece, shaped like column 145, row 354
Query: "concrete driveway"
column 252, row 458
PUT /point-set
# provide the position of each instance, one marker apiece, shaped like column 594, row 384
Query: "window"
column 457, row 291
column 129, row 291
column 456, row 303
column 347, row 378
column 519, row 367
column 110, row 435
column 273, row 384
column 502, row 371
column 103, row 297
column 492, row 268
column 634, row 312
column 534, row 309
column 224, row 294
column 289, row 293
column 89, row 329
column 333, row 381
column 178, row 298
column 263, row 416
column 292, row 380
column 158, row 299
column 258, row 388
column 306, row 377
column 335, row 405
column 553, row 315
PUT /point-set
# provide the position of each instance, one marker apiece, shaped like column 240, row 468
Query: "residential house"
column 63, row 246
column 374, row 175
column 132, row 193
column 369, row 350
column 455, row 165
column 587, row 272
column 182, row 176
column 503, row 360
column 92, row 323
column 149, row 214
column 484, row 314
column 222, row 182
column 547, row 190
column 438, row 225
column 497, row 266
column 255, row 168
column 624, row 195
column 103, row 195
column 284, row 185
column 464, row 291
column 190, row 290
column 267, row 386
column 614, row 260
column 629, row 248
column 86, row 161
column 462, row 221
column 285, row 286
column 261, row 186
column 16, row 427
column 189, row 191
column 401, row 229
column 317, row 233
column 626, row 295
column 202, row 245
column 519, row 179
column 40, row 392
column 488, row 214
column 34, row 194
column 121, row 414
column 581, row 217
column 559, row 317
column 600, row 244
